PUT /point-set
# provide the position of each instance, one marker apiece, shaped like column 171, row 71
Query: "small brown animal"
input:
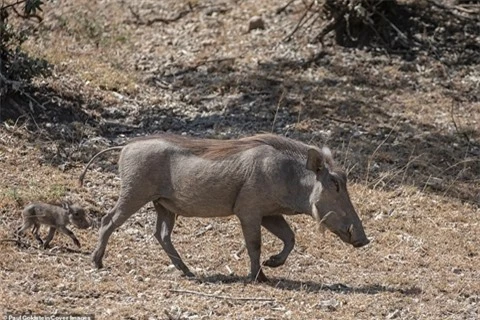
column 36, row 214
column 258, row 179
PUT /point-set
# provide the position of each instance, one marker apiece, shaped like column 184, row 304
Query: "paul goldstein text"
column 48, row 317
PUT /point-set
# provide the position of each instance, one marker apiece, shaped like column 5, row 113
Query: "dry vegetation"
column 406, row 128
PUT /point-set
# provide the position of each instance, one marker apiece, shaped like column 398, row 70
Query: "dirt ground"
column 405, row 126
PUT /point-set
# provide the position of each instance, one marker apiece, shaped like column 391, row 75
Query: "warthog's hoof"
column 189, row 275
column 258, row 277
column 274, row 262
column 97, row 261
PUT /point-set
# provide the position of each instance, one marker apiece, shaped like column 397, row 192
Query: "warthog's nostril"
column 361, row 243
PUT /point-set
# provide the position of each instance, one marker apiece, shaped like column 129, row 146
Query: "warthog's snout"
column 360, row 243
column 357, row 236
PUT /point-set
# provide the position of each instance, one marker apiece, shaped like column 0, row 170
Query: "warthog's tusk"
column 321, row 226
column 326, row 216
column 350, row 229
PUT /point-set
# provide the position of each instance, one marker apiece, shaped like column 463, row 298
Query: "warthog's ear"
column 315, row 161
column 328, row 157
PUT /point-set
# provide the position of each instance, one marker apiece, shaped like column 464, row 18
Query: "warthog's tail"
column 82, row 176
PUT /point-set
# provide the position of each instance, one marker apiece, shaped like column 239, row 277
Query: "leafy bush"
column 16, row 67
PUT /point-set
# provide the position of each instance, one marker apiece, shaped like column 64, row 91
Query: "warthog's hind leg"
column 163, row 231
column 280, row 228
column 20, row 230
column 35, row 229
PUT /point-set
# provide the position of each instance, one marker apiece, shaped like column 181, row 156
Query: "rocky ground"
column 405, row 125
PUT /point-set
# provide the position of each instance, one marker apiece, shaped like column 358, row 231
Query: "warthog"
column 56, row 217
column 259, row 179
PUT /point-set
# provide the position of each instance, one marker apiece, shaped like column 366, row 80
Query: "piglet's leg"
column 69, row 233
column 49, row 238
column 35, row 233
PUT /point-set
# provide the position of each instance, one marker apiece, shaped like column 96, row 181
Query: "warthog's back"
column 203, row 177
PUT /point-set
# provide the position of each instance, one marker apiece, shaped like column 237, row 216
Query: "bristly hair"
column 214, row 149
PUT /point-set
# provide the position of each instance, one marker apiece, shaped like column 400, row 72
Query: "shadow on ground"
column 313, row 287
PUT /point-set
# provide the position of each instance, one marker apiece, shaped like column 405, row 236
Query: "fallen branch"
column 451, row 10
column 139, row 20
column 199, row 64
column 18, row 242
column 220, row 296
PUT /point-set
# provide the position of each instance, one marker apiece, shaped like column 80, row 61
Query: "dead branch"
column 27, row 16
column 12, row 5
column 451, row 10
column 201, row 63
column 220, row 296
column 140, row 21
column 18, row 242
column 284, row 7
column 332, row 25
column 299, row 23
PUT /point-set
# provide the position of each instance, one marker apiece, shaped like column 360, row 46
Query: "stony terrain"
column 406, row 128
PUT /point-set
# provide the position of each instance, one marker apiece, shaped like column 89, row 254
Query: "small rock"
column 256, row 22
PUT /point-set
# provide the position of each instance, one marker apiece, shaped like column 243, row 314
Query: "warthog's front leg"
column 69, row 233
column 125, row 207
column 49, row 238
column 280, row 228
column 253, row 240
column 163, row 231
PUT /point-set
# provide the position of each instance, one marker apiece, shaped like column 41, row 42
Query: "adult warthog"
column 258, row 179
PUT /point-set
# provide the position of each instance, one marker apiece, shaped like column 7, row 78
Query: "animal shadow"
column 311, row 286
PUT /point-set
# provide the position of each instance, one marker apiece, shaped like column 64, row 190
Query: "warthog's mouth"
column 347, row 237
column 360, row 243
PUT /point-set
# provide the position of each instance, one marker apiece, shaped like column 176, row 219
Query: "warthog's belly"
column 197, row 208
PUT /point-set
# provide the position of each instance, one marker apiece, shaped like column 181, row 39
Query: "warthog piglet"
column 56, row 217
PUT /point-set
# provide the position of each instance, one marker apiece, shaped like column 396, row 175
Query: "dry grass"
column 415, row 178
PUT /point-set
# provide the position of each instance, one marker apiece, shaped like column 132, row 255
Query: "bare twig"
column 284, row 7
column 276, row 111
column 451, row 10
column 220, row 296
column 464, row 134
column 341, row 120
column 326, row 30
column 299, row 23
column 237, row 254
column 27, row 16
column 140, row 21
column 13, row 4
column 376, row 149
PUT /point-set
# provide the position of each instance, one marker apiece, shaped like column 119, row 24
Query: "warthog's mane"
column 216, row 149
